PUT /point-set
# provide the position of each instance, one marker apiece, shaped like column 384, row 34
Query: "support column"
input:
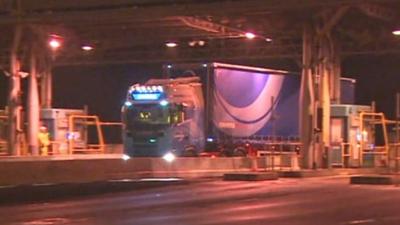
column 307, row 101
column 46, row 88
column 335, row 73
column 325, row 73
column 14, row 97
column 33, row 108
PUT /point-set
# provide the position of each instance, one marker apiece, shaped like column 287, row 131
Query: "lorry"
column 218, row 107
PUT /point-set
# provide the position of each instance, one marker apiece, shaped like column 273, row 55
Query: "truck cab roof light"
column 128, row 104
column 164, row 102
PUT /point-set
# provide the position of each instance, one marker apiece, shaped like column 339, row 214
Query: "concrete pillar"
column 307, row 102
column 14, row 97
column 33, row 108
column 335, row 72
column 46, row 88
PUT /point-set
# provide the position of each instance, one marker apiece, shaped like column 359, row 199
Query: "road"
column 319, row 201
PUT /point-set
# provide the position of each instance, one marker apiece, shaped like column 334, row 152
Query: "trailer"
column 225, row 108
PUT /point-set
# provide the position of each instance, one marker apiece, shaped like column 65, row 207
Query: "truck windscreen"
column 149, row 113
column 155, row 114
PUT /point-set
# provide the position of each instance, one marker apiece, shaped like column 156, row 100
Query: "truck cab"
column 164, row 116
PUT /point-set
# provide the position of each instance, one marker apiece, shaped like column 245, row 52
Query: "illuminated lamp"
column 164, row 102
column 128, row 103
column 192, row 43
column 169, row 157
column 396, row 32
column 249, row 35
column 87, row 48
column 54, row 42
column 146, row 96
column 125, row 157
column 171, row 44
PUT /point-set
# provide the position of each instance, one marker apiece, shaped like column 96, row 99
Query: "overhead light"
column 171, row 44
column 196, row 43
column 268, row 39
column 87, row 48
column 249, row 35
column 396, row 32
column 169, row 66
column 55, row 42
column 192, row 43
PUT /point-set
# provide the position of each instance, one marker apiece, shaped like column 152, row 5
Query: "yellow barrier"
column 375, row 118
column 88, row 120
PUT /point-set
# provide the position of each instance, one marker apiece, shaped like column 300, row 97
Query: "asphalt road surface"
column 319, row 201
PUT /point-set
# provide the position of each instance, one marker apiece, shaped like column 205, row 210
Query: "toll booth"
column 58, row 123
column 345, row 135
column 3, row 130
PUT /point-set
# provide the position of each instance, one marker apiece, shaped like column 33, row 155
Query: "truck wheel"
column 239, row 151
column 189, row 151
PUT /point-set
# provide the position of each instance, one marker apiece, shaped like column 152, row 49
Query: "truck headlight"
column 169, row 157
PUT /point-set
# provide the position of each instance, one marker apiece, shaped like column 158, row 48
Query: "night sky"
column 103, row 88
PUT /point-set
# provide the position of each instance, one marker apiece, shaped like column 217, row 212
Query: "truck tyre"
column 239, row 151
column 189, row 151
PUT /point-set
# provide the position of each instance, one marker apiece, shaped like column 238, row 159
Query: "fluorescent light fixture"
column 396, row 32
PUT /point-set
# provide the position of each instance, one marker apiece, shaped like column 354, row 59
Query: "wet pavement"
column 305, row 201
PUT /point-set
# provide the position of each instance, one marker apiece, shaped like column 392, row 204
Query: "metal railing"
column 86, row 120
column 374, row 119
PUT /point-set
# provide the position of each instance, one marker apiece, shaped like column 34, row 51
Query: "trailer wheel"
column 239, row 151
column 189, row 151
